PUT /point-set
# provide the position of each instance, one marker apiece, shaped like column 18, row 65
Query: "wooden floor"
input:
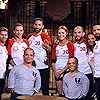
column 39, row 96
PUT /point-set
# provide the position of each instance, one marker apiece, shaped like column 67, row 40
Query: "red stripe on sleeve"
column 9, row 46
column 70, row 49
column 53, row 53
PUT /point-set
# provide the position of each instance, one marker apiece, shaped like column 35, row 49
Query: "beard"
column 79, row 39
column 97, row 35
column 37, row 30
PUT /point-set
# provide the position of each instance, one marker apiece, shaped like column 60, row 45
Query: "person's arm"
column 46, row 45
column 12, row 62
column 53, row 60
column 46, row 41
column 11, row 79
column 57, row 74
column 9, row 46
column 85, row 82
column 65, row 87
column 63, row 70
column 37, row 84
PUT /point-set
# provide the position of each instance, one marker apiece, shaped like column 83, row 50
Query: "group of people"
column 24, row 61
column 75, row 64
column 69, row 59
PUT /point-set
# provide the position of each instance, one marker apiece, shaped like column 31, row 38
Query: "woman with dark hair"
column 90, row 46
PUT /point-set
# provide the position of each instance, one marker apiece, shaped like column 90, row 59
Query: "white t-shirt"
column 96, row 51
column 40, row 56
column 81, row 55
column 16, row 50
column 3, row 59
column 91, row 60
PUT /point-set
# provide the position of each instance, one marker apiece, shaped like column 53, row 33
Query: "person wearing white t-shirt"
column 61, row 51
column 96, row 51
column 81, row 54
column 91, row 42
column 90, row 38
column 40, row 42
column 3, row 57
column 16, row 46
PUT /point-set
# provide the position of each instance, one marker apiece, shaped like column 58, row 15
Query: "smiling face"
column 38, row 26
column 78, row 33
column 3, row 36
column 28, row 56
column 73, row 64
column 62, row 34
column 91, row 39
column 18, row 31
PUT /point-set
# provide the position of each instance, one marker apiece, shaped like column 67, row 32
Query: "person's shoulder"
column 81, row 74
column 11, row 40
column 97, row 42
column 44, row 35
column 35, row 69
column 29, row 35
column 70, row 42
column 15, row 68
column 25, row 39
column 66, row 75
column 55, row 44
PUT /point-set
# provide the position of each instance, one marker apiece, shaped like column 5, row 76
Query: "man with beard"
column 81, row 54
column 96, row 51
column 40, row 43
column 96, row 31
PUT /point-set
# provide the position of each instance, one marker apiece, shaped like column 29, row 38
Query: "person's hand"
column 83, row 97
column 57, row 74
column 12, row 90
column 56, row 41
column 45, row 44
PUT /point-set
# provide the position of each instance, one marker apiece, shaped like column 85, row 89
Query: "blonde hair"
column 3, row 29
column 63, row 27
column 78, row 27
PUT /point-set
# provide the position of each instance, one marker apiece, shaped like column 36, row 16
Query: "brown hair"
column 3, row 29
column 40, row 19
column 17, row 24
column 63, row 27
column 28, row 49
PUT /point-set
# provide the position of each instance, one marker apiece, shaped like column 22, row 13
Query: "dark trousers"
column 97, row 86
column 44, row 81
column 8, row 72
column 14, row 96
column 2, row 85
column 91, row 87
